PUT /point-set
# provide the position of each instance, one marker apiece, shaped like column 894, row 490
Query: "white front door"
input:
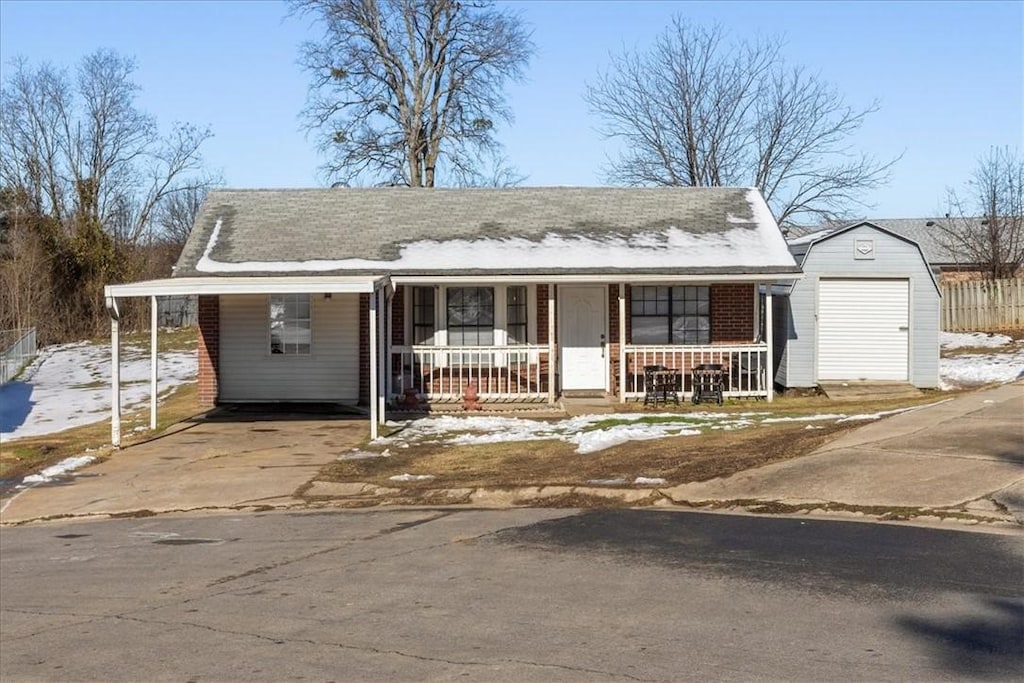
column 583, row 322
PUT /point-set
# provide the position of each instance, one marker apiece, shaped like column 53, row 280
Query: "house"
column 377, row 295
column 866, row 310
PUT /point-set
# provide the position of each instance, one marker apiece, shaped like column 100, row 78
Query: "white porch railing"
column 745, row 366
column 509, row 373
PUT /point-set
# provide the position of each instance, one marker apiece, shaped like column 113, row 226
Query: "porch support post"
column 152, row 362
column 389, row 321
column 382, row 356
column 768, row 339
column 622, row 342
column 552, row 360
column 374, row 373
column 115, row 383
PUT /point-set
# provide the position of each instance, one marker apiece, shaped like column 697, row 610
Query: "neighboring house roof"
column 916, row 229
column 556, row 230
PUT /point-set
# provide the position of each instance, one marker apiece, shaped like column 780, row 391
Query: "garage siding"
column 834, row 258
column 249, row 372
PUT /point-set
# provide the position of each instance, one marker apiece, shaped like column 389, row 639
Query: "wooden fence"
column 983, row 305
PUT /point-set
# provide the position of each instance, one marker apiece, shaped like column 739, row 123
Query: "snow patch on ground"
column 590, row 433
column 1005, row 363
column 411, row 477
column 68, row 385
column 959, row 340
column 65, row 466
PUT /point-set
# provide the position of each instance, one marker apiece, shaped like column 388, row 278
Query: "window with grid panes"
column 470, row 313
column 671, row 315
column 290, row 324
column 422, row 315
column 515, row 314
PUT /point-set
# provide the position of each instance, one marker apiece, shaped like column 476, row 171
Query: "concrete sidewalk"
column 965, row 451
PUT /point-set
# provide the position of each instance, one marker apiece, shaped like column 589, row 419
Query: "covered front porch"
column 589, row 336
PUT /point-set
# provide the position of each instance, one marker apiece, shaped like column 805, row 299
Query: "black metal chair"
column 707, row 383
column 661, row 384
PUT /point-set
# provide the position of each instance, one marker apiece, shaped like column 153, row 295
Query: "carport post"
column 768, row 334
column 374, row 374
column 152, row 362
column 115, row 381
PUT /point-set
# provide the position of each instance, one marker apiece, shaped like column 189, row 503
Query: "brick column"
column 364, row 349
column 209, row 349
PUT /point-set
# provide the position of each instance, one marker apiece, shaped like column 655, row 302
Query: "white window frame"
column 270, row 320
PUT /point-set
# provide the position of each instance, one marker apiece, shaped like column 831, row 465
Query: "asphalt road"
column 524, row 595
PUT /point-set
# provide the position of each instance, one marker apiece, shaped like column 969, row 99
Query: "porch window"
column 290, row 324
column 515, row 314
column 422, row 315
column 470, row 316
column 671, row 315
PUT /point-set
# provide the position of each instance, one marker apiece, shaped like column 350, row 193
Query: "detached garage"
column 867, row 310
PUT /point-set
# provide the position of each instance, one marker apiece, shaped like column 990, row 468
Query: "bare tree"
column 80, row 149
column 405, row 88
column 177, row 213
column 84, row 171
column 699, row 110
column 985, row 223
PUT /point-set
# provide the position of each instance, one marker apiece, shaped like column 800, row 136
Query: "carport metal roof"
column 177, row 286
column 375, row 285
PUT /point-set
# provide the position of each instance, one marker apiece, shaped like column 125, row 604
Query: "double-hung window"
column 671, row 315
column 290, row 324
column 515, row 314
column 422, row 315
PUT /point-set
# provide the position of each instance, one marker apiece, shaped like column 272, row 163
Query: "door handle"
column 602, row 346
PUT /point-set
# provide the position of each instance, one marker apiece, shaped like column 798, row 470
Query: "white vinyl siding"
column 833, row 258
column 249, row 372
column 863, row 329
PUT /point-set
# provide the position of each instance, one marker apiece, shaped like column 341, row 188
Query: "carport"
column 377, row 287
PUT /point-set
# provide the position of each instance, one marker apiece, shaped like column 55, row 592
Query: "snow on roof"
column 528, row 230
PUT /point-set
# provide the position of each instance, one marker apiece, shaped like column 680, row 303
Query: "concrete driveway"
column 239, row 461
column 967, row 451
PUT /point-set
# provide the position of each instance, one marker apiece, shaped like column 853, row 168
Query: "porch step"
column 588, row 405
column 859, row 391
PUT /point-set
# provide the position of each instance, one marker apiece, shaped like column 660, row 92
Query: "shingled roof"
column 406, row 231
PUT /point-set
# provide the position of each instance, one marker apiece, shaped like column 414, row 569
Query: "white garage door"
column 863, row 329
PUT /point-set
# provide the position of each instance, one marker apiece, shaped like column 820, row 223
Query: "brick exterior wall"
column 398, row 316
column 364, row 349
column 732, row 312
column 542, row 315
column 209, row 349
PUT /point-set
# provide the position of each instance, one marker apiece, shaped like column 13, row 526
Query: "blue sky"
column 949, row 78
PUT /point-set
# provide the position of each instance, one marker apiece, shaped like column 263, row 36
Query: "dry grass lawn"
column 676, row 459
column 32, row 454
